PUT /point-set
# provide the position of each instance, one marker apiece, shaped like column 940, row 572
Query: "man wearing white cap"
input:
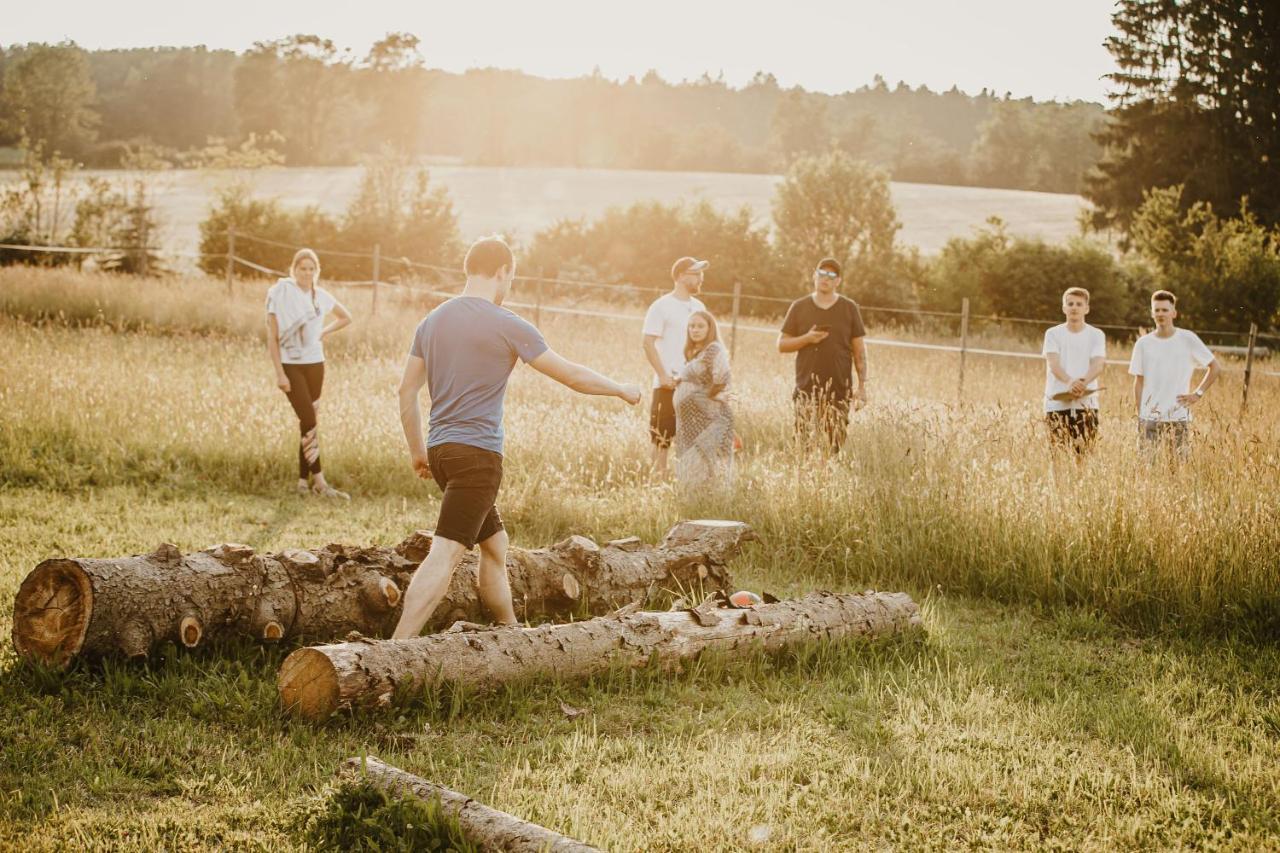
column 665, row 327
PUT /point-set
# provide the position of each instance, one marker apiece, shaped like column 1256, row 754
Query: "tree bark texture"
column 317, row 681
column 486, row 827
column 73, row 607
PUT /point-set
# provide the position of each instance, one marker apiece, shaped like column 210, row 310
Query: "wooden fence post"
column 964, row 342
column 1248, row 365
column 231, row 258
column 377, row 265
column 733, row 334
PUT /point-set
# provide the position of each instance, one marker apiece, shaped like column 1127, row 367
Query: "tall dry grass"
column 929, row 492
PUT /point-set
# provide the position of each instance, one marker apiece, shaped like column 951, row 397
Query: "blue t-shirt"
column 471, row 346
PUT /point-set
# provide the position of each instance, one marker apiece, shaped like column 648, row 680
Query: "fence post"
column 964, row 342
column 1248, row 365
column 231, row 258
column 377, row 265
column 537, row 301
column 733, row 334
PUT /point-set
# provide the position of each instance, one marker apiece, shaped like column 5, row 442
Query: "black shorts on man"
column 662, row 417
column 1073, row 429
column 470, row 478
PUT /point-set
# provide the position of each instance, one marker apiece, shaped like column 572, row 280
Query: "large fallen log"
column 317, row 681
column 66, row 608
column 487, row 828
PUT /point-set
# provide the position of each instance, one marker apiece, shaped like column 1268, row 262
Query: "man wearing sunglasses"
column 825, row 331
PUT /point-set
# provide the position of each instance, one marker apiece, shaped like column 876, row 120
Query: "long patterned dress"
column 704, row 426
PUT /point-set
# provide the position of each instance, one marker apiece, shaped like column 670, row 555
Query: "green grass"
column 1099, row 669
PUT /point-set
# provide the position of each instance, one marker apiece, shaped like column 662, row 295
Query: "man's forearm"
column 655, row 360
column 584, row 380
column 1210, row 377
column 411, row 421
column 789, row 343
column 1137, row 396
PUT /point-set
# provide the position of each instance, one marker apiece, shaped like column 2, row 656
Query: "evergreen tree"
column 1197, row 103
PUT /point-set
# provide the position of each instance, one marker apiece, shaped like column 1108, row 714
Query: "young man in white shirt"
column 665, row 327
column 1075, row 355
column 1162, row 366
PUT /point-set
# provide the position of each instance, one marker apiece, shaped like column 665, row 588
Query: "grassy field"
column 1099, row 670
column 523, row 201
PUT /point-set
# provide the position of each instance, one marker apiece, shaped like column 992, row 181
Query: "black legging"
column 305, row 382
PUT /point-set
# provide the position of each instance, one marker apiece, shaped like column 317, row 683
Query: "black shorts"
column 470, row 478
column 662, row 417
column 1073, row 429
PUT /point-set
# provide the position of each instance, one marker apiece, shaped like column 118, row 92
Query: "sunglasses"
column 827, row 273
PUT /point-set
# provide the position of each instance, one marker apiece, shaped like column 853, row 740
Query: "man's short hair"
column 830, row 264
column 1076, row 291
column 1164, row 296
column 488, row 255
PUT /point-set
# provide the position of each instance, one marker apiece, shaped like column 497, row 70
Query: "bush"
column 1021, row 277
column 638, row 244
column 396, row 208
column 1225, row 272
column 262, row 218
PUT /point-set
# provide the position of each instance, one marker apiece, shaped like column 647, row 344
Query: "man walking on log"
column 464, row 352
column 665, row 325
column 825, row 331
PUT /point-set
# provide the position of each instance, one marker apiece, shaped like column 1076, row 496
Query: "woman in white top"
column 296, row 307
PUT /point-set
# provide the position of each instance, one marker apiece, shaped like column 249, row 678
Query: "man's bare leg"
column 428, row 586
column 495, row 586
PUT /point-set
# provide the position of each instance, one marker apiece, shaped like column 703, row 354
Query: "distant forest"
column 318, row 105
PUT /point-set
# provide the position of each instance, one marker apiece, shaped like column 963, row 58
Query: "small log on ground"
column 488, row 828
column 317, row 681
column 67, row 608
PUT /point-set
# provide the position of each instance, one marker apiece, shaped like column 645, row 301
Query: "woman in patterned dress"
column 704, row 421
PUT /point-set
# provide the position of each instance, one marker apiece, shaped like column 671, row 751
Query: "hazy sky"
column 1043, row 48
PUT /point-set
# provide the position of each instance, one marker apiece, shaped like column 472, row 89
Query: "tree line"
column 326, row 106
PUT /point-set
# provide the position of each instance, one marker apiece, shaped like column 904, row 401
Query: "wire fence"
column 738, row 319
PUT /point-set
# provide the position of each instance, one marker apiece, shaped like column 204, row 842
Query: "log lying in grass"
column 486, row 827
column 67, row 608
column 314, row 682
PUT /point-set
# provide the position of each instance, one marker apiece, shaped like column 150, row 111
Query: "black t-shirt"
column 826, row 367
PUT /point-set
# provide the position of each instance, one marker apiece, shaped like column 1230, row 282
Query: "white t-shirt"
column 668, row 318
column 1166, row 366
column 303, row 346
column 1075, row 350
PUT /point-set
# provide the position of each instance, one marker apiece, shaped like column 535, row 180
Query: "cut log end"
column 379, row 592
column 190, row 631
column 51, row 612
column 272, row 631
column 572, row 589
column 308, row 685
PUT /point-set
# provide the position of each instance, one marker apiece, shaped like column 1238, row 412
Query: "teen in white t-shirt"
column 1162, row 366
column 1075, row 354
column 665, row 325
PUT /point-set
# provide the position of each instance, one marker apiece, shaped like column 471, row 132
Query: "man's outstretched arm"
column 582, row 379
